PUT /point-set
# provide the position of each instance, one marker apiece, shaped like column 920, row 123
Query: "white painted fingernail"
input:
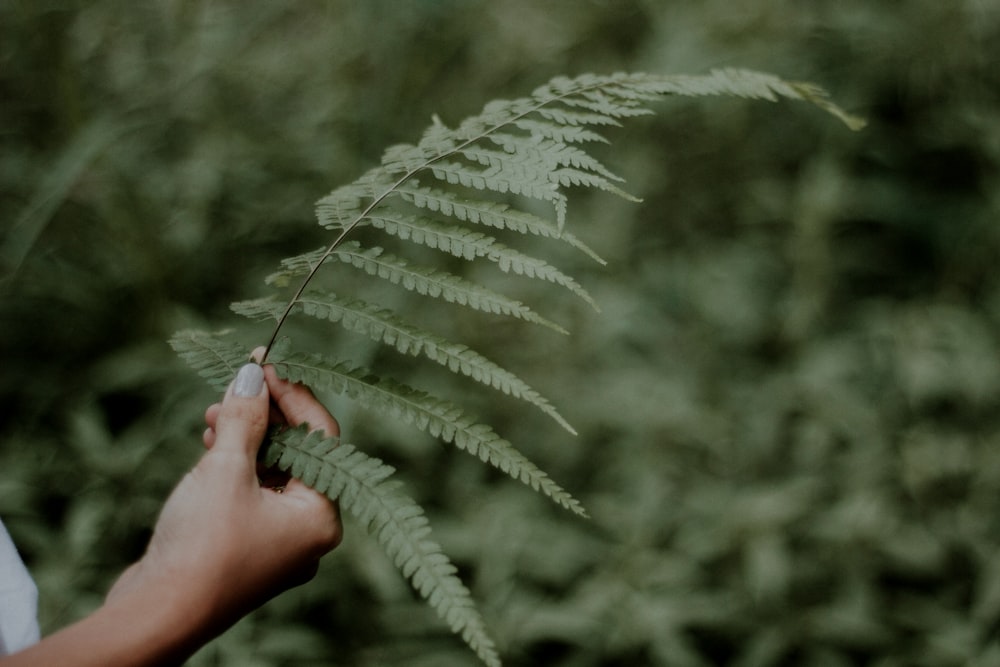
column 249, row 381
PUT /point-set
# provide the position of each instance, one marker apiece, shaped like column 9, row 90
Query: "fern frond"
column 568, row 134
column 524, row 182
column 437, row 284
column 574, row 118
column 495, row 115
column 742, row 83
column 438, row 417
column 342, row 207
column 210, row 354
column 297, row 265
column 567, row 176
column 561, row 164
column 553, row 154
column 264, row 308
column 384, row 326
column 531, row 147
column 490, row 214
column 430, row 282
column 611, row 103
column 362, row 486
column 218, row 359
column 457, row 241
column 467, row 244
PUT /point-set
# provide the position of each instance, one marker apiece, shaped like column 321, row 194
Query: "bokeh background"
column 787, row 411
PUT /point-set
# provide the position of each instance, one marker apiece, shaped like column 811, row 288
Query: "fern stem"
column 329, row 251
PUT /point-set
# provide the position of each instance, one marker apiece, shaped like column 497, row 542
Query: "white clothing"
column 18, row 599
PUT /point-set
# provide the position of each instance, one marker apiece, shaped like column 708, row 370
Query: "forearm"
column 140, row 629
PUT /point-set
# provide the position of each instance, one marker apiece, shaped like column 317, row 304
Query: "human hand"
column 224, row 544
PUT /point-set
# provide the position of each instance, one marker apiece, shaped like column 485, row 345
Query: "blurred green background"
column 788, row 435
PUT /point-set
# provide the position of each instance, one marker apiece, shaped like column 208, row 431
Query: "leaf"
column 363, row 487
column 340, row 209
column 525, row 181
column 438, row 417
column 214, row 357
column 297, row 265
column 434, row 283
column 468, row 244
column 487, row 213
column 384, row 326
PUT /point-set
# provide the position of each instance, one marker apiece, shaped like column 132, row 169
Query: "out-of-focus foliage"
column 788, row 440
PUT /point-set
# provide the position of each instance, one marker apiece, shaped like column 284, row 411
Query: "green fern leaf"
column 560, row 164
column 297, row 266
column 467, row 244
column 362, row 486
column 342, row 207
column 490, row 214
column 214, row 359
column 457, row 241
column 607, row 105
column 438, row 417
column 433, row 283
column 384, row 326
column 553, row 154
column 424, row 281
column 576, row 118
column 568, row 134
column 218, row 359
column 523, row 181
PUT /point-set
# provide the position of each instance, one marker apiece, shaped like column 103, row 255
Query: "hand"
column 224, row 544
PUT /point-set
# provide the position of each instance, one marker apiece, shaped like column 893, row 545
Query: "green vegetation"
column 786, row 435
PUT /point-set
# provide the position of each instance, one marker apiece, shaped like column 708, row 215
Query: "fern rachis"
column 530, row 148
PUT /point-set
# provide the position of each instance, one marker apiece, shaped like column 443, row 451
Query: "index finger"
column 298, row 404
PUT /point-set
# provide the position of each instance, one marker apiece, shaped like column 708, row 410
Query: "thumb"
column 243, row 417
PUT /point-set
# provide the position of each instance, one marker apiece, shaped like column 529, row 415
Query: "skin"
column 224, row 544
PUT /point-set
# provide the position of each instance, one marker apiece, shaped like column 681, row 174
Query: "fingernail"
column 249, row 381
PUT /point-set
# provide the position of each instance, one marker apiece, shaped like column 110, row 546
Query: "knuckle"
column 330, row 531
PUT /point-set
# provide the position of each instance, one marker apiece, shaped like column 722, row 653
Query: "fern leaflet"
column 490, row 214
column 469, row 244
column 214, row 359
column 437, row 284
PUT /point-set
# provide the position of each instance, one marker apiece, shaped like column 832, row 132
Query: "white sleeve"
column 18, row 599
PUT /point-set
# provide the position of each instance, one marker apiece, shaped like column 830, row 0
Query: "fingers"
column 290, row 403
column 211, row 418
column 327, row 529
column 298, row 405
column 242, row 418
column 240, row 422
